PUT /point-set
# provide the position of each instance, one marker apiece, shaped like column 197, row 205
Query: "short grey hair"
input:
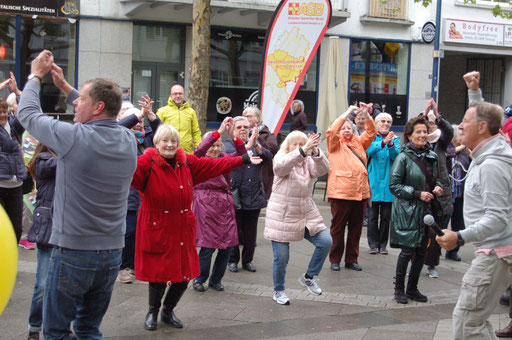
column 383, row 115
column 238, row 118
column 300, row 102
column 166, row 130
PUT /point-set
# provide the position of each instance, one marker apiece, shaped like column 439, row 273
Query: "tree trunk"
column 199, row 81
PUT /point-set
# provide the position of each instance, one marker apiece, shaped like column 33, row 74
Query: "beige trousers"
column 482, row 286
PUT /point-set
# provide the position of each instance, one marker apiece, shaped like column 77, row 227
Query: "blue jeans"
column 322, row 242
column 129, row 240
column 219, row 267
column 35, row 319
column 79, row 288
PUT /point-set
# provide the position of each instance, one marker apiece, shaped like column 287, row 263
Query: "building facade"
column 145, row 46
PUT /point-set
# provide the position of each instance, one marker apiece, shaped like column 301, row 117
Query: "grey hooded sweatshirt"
column 488, row 196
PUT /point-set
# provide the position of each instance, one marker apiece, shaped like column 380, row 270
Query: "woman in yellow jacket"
column 348, row 188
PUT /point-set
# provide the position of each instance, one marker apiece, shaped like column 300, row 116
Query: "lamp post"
column 435, row 67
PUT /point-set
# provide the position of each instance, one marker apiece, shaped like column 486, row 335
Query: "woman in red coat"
column 165, row 250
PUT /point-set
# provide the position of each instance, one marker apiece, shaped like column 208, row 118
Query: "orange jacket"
column 348, row 177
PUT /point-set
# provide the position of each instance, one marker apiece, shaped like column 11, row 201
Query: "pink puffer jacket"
column 291, row 207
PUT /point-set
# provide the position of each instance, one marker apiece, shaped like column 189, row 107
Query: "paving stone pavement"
column 354, row 305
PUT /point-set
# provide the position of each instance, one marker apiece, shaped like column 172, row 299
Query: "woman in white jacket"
column 291, row 212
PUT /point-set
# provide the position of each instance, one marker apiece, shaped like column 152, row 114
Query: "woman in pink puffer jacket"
column 291, row 212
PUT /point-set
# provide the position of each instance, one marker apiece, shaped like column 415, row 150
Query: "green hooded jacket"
column 407, row 211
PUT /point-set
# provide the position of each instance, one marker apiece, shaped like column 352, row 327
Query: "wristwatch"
column 460, row 240
column 32, row 76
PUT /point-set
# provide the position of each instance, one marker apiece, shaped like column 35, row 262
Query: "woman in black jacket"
column 43, row 167
column 12, row 167
column 248, row 182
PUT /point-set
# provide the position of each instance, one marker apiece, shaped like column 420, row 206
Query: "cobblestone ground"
column 354, row 305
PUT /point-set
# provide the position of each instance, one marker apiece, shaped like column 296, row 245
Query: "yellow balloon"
column 8, row 259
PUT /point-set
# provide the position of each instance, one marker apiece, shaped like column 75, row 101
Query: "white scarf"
column 434, row 136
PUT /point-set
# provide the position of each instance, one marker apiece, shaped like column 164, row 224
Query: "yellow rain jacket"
column 184, row 119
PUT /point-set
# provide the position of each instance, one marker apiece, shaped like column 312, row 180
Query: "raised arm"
column 472, row 80
column 57, row 135
column 333, row 133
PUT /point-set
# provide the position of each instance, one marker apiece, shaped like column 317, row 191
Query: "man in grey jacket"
column 488, row 219
column 97, row 159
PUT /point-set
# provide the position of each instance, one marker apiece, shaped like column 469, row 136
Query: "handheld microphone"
column 431, row 223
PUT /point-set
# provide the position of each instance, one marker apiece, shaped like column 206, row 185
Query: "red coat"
column 165, row 247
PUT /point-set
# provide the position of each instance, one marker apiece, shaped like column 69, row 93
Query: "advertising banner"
column 52, row 8
column 293, row 37
column 476, row 32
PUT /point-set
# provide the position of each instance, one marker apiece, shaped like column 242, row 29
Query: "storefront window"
column 379, row 75
column 59, row 37
column 7, row 49
column 236, row 66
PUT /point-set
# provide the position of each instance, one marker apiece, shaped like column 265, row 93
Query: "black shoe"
column 33, row 336
column 453, row 257
column 233, row 267
column 249, row 267
column 217, row 286
column 353, row 266
column 151, row 319
column 198, row 286
column 416, row 296
column 505, row 298
column 335, row 267
column 400, row 297
column 170, row 318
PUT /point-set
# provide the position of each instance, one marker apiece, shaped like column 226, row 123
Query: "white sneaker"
column 432, row 272
column 281, row 298
column 124, row 276
column 310, row 284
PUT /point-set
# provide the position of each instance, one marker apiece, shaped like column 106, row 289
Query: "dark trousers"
column 434, row 249
column 457, row 220
column 219, row 266
column 12, row 201
column 129, row 240
column 418, row 258
column 378, row 233
column 350, row 214
column 173, row 296
column 247, row 225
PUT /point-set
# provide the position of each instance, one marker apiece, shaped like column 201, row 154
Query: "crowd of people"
column 176, row 191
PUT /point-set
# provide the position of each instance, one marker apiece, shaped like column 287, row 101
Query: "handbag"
column 364, row 163
column 237, row 203
column 28, row 184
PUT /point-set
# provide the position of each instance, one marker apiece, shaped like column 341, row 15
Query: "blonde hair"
column 166, row 130
column 255, row 111
column 292, row 135
column 11, row 101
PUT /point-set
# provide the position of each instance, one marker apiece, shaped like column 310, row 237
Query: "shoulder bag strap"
column 147, row 178
column 416, row 160
column 355, row 153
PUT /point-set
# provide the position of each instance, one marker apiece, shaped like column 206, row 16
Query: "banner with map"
column 293, row 37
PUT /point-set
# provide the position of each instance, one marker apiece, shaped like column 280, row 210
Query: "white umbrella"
column 332, row 99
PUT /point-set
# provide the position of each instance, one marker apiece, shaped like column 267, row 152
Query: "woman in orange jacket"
column 348, row 188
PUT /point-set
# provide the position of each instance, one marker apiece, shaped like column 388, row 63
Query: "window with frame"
column 379, row 74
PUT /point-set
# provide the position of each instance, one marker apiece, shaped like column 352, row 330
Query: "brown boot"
column 505, row 332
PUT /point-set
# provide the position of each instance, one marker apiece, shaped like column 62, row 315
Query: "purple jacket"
column 213, row 205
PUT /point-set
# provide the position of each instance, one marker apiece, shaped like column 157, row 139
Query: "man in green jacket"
column 180, row 115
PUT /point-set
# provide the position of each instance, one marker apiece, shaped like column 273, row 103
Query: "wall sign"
column 52, row 8
column 428, row 32
column 477, row 32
